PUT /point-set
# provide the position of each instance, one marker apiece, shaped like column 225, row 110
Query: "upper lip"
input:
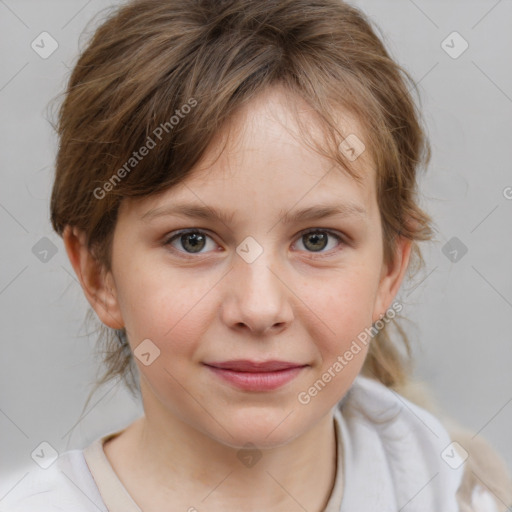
column 245, row 365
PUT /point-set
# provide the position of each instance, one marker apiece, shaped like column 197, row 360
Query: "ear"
column 97, row 284
column 392, row 276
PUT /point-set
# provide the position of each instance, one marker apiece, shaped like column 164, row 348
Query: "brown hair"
column 150, row 58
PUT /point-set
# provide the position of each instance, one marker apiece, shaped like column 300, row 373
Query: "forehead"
column 267, row 155
column 277, row 127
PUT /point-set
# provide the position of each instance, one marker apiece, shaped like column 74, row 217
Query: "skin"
column 291, row 304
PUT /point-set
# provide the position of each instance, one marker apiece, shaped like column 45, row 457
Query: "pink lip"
column 254, row 376
column 246, row 365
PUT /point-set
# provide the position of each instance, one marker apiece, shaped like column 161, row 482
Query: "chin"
column 261, row 428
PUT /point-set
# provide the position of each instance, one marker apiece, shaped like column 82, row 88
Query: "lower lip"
column 257, row 381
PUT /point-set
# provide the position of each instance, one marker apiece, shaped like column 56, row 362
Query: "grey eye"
column 318, row 240
column 191, row 242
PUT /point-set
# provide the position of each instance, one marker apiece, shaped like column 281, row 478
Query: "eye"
column 191, row 242
column 316, row 240
column 194, row 241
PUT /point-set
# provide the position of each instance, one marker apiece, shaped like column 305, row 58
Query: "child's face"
column 200, row 301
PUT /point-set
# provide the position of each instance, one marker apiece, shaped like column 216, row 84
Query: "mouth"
column 256, row 376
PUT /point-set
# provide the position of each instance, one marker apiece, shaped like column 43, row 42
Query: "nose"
column 257, row 297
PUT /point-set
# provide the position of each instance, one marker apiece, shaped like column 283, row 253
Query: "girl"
column 236, row 191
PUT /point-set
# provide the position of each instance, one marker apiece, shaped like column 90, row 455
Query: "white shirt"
column 392, row 455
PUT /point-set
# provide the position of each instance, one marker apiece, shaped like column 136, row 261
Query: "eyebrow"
column 200, row 211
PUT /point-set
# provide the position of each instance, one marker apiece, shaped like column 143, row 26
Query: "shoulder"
column 65, row 485
column 417, row 445
column 486, row 484
column 399, row 446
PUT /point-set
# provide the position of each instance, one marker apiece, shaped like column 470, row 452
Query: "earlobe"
column 392, row 276
column 98, row 285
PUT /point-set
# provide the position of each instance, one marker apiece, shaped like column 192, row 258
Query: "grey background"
column 460, row 311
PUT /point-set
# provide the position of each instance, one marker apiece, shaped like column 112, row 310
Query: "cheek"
column 171, row 311
column 165, row 306
column 346, row 302
column 343, row 335
column 339, row 328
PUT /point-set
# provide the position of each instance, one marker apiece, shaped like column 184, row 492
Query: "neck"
column 185, row 466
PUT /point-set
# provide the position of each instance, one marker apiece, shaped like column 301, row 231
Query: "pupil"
column 316, row 238
column 195, row 239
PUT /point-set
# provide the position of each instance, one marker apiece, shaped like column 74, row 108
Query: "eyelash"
column 176, row 235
